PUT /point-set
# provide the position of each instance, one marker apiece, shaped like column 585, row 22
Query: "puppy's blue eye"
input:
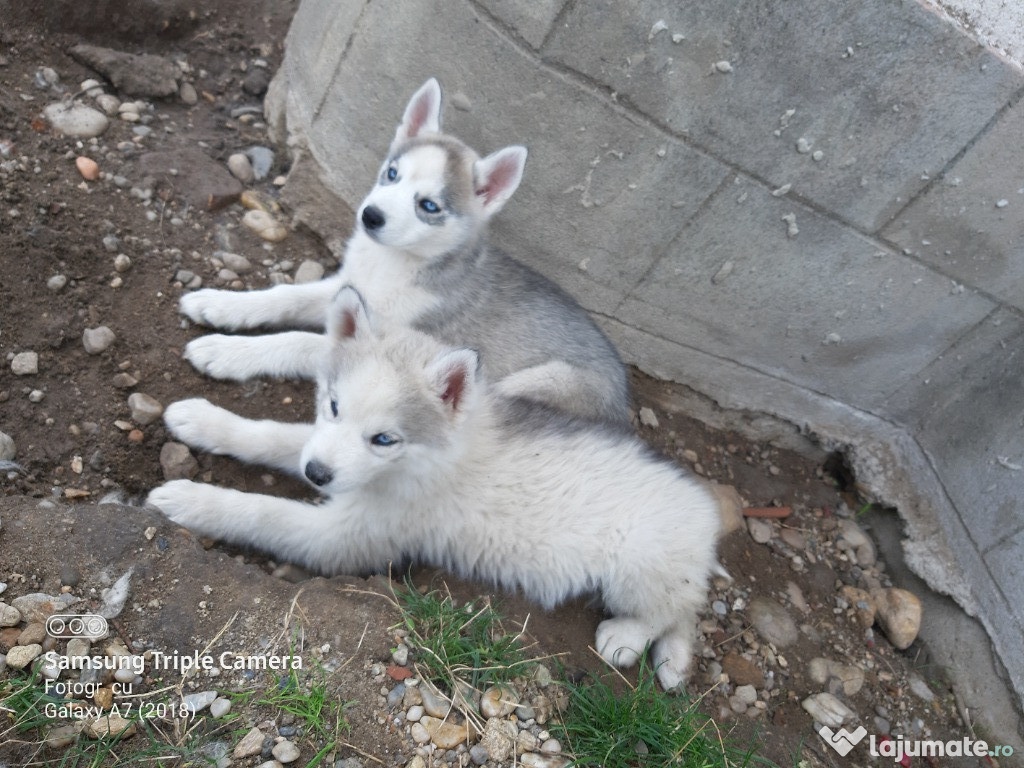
column 334, row 408
column 392, row 173
column 430, row 206
column 384, row 440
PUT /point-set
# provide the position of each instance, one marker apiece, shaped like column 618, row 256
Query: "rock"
column 793, row 538
column 862, row 603
column 34, row 632
column 76, row 120
column 434, row 704
column 233, row 261
column 852, row 533
column 554, row 746
column 478, row 754
column 109, row 725
column 747, row 694
column 251, row 744
column 760, row 530
column 145, row 409
column 197, row 178
column 124, row 380
column 526, row 742
column 309, row 271
column 111, row 243
column 445, row 734
column 57, row 283
column 401, row 657
column 730, row 507
column 920, row 689
column 256, row 81
column 38, row 606
column 9, row 615
column 96, row 340
column 241, row 168
column 197, row 702
column 63, row 735
column 851, row 677
column 262, row 160
column 25, row 364
column 499, row 739
column 419, row 733
column 20, row 656
column 498, row 701
column 772, row 621
column 899, row 614
column 135, row 75
column 395, row 695
column 415, row 713
column 648, row 418
column 742, row 671
column 265, row 226
column 533, row 760
column 827, row 709
column 108, row 103
column 187, row 93
column 286, row 752
column 122, row 263
column 177, row 462
column 88, row 167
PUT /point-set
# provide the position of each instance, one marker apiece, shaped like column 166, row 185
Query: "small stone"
column 395, row 695
column 34, row 633
column 233, row 261
column 63, row 735
column 109, row 725
column 525, row 712
column 76, row 120
column 145, row 409
column 724, row 67
column 8, row 451
column 498, row 701
column 125, row 675
column 197, row 702
column 20, row 656
column 241, row 168
column 899, row 614
column 96, row 340
column 730, row 507
column 554, row 747
column 648, row 418
column 772, row 621
column 742, row 671
column 821, row 670
column 177, row 462
column 803, row 145
column 817, row 155
column 9, row 615
column 36, row 396
column 38, row 606
column 920, row 689
column 88, row 167
column 414, row 714
column 478, row 754
column 499, row 739
column 25, row 364
column 760, row 530
column 251, row 744
column 419, row 733
column 265, row 226
column 446, row 734
column 747, row 694
column 862, row 603
column 122, row 263
column 108, row 103
column 534, row 760
column 792, row 230
column 433, row 703
column 124, row 380
column 187, row 93
column 286, row 752
column 401, row 656
column 262, row 160
column 57, row 283
column 309, row 271
column 111, row 243
column 827, row 709
column 103, row 698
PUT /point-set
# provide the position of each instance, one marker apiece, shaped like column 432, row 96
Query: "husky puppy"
column 419, row 256
column 418, row 458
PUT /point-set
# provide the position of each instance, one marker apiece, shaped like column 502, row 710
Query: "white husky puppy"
column 419, row 256
column 418, row 458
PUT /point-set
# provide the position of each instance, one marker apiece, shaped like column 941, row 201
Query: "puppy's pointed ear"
column 347, row 317
column 497, row 176
column 453, row 375
column 423, row 113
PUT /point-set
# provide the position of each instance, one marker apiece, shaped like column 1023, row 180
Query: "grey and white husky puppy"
column 419, row 458
column 419, row 256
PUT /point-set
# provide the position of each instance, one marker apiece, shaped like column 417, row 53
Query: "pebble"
column 920, row 689
column 124, row 380
column 820, row 670
column 723, row 67
column 9, row 615
column 25, row 364
column 861, row 602
column 498, row 701
column 479, row 754
column 188, row 94
column 76, row 120
column 554, row 747
column 262, row 160
column 899, row 614
column 62, row 736
column 233, row 261
column 401, row 657
column 827, row 709
column 760, row 530
column 792, row 230
column 124, row 674
column 772, row 621
column 241, row 168
column 197, row 702
column 647, row 417
column 20, row 656
column 730, row 507
column 415, row 713
column 38, row 606
column 444, row 733
column 499, row 739
column 747, row 694
column 109, row 725
column 419, row 733
column 309, row 271
column 108, row 103
column 34, row 633
column 719, row 607
column 88, row 167
column 265, row 226
column 286, row 752
column 177, row 462
column 742, row 671
column 36, row 396
column 395, row 695
column 803, row 145
column 251, row 744
column 433, row 704
column 111, row 243
column 57, row 283
column 96, row 340
column 122, row 263
column 533, row 760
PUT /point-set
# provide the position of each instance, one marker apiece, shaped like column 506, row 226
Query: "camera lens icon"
column 82, row 625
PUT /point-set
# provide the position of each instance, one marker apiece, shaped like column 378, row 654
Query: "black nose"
column 318, row 474
column 372, row 217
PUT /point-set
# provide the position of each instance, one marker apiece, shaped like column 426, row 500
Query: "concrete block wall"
column 673, row 146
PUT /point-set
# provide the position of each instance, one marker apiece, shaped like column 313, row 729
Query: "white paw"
column 183, row 502
column 209, row 307
column 621, row 641
column 197, row 422
column 671, row 657
column 221, row 357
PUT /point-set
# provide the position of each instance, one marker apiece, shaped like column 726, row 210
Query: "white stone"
column 96, row 340
column 309, row 271
column 241, row 168
column 827, row 709
column 196, row 702
column 76, row 120
column 648, row 417
column 20, row 656
column 108, row 103
column 265, row 225
column 286, row 752
column 9, row 615
column 25, row 364
column 57, row 283
column 7, row 451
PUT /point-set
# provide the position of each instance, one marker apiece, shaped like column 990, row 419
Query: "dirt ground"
column 76, row 440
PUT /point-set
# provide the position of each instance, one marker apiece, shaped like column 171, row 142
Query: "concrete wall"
column 890, row 326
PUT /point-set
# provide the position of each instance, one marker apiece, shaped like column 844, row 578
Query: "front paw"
column 185, row 503
column 621, row 640
column 220, row 357
column 198, row 422
column 209, row 306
